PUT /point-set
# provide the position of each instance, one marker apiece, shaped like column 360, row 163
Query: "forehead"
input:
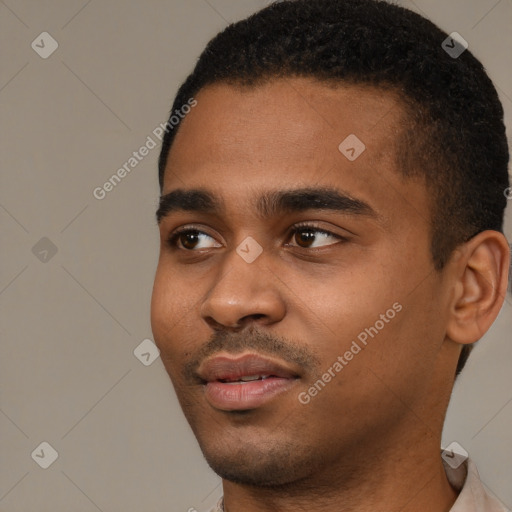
column 289, row 133
column 285, row 117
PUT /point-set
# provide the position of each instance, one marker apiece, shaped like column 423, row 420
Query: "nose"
column 243, row 293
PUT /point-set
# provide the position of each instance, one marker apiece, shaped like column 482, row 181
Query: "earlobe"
column 481, row 270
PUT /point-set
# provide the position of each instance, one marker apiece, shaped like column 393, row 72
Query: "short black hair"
column 454, row 135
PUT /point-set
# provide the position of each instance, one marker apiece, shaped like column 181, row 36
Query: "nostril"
column 256, row 316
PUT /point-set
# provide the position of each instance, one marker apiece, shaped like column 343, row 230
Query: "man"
column 331, row 245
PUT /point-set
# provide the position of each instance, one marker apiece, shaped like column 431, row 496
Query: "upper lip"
column 229, row 367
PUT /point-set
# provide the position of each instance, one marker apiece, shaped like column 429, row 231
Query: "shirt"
column 465, row 479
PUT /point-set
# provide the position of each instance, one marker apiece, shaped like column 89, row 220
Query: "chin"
column 258, row 464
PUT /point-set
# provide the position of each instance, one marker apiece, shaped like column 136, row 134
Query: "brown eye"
column 311, row 237
column 191, row 239
column 305, row 237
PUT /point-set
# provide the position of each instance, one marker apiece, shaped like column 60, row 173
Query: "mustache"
column 255, row 340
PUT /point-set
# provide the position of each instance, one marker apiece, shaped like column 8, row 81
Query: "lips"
column 225, row 368
column 244, row 382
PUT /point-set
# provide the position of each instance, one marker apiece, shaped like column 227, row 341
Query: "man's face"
column 306, row 267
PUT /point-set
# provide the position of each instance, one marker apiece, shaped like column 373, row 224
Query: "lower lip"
column 245, row 395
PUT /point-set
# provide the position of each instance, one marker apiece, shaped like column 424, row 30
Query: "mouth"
column 244, row 382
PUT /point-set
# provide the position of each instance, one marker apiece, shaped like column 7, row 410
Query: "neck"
column 409, row 479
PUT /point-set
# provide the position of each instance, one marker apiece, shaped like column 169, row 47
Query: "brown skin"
column 370, row 440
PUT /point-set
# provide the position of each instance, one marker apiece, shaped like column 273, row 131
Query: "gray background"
column 70, row 323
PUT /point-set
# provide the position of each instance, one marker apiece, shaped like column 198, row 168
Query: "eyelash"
column 173, row 237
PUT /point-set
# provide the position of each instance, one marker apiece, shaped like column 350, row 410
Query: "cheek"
column 344, row 303
column 398, row 362
column 369, row 314
column 161, row 306
column 172, row 304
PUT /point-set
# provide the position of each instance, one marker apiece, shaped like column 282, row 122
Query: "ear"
column 481, row 276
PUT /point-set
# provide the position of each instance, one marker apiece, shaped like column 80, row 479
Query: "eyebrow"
column 269, row 204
